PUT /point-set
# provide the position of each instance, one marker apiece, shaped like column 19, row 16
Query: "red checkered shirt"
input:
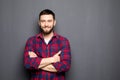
column 43, row 50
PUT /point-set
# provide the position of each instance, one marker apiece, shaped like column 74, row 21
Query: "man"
column 47, row 55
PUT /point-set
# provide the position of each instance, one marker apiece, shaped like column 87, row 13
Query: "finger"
column 30, row 52
column 59, row 53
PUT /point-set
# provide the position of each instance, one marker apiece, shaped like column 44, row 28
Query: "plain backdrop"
column 92, row 26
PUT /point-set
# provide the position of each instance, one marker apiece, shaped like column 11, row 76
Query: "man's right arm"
column 30, row 63
column 46, row 63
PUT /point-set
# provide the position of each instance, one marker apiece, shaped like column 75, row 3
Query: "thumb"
column 59, row 53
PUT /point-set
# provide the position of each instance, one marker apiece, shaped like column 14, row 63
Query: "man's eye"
column 49, row 20
column 42, row 21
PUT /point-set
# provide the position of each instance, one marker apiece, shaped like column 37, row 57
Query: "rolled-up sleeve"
column 65, row 58
column 30, row 63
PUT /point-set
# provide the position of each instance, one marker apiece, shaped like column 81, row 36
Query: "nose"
column 46, row 23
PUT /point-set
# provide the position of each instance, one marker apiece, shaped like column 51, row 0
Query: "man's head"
column 46, row 21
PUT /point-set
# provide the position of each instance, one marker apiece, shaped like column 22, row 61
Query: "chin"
column 46, row 32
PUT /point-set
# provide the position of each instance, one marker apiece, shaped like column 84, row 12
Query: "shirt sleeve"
column 65, row 57
column 30, row 63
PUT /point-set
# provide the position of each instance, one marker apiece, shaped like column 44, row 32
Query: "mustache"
column 46, row 27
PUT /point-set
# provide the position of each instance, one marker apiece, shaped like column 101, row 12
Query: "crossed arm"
column 46, row 63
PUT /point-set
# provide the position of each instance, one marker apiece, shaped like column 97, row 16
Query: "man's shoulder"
column 32, row 37
column 64, row 41
column 62, row 38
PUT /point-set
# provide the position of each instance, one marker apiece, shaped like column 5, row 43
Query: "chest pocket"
column 55, row 47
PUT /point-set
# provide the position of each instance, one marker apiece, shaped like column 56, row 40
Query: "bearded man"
column 47, row 55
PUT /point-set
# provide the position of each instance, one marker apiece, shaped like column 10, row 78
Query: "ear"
column 54, row 22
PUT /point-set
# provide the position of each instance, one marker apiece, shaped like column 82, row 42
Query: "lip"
column 46, row 27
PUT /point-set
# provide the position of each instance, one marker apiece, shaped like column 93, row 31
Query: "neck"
column 47, row 37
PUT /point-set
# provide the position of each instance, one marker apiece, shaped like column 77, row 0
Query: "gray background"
column 92, row 26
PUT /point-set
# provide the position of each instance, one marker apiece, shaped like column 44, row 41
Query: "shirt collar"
column 41, row 36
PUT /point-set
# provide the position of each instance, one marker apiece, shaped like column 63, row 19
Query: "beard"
column 47, row 32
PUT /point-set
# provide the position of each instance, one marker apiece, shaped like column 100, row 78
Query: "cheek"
column 42, row 25
column 52, row 24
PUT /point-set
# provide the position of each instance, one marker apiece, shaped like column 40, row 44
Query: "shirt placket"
column 48, row 50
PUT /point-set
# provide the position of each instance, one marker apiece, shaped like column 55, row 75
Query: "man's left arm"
column 65, row 57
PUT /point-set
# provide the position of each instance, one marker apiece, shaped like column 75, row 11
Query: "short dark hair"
column 47, row 12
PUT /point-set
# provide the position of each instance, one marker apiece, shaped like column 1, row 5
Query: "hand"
column 32, row 54
column 49, row 68
column 56, row 57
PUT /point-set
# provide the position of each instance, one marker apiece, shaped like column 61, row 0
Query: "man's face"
column 47, row 23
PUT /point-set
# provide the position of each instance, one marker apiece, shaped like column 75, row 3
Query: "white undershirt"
column 47, row 41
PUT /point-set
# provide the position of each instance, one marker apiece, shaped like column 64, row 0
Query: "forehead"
column 46, row 17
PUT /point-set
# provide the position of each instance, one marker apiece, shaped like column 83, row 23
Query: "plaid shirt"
column 43, row 50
